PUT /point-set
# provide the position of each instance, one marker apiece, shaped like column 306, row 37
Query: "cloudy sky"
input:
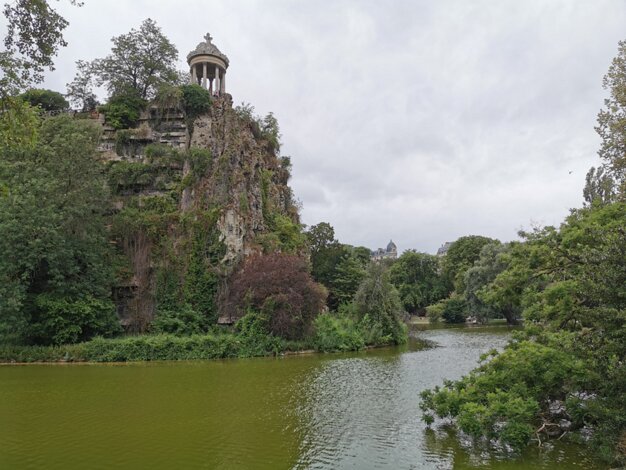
column 420, row 121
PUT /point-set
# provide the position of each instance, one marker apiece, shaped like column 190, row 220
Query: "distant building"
column 391, row 252
column 443, row 250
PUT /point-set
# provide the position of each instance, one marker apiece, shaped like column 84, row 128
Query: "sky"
column 417, row 121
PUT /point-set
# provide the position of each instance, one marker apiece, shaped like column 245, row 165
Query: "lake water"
column 332, row 411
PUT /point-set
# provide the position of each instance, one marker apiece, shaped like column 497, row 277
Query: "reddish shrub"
column 279, row 286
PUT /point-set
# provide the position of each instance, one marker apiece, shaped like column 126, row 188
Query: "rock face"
column 184, row 219
column 246, row 179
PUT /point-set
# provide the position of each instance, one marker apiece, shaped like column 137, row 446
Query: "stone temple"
column 207, row 66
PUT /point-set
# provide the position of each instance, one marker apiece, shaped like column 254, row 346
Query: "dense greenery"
column 55, row 268
column 416, row 276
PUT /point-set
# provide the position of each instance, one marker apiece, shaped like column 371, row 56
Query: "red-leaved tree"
column 279, row 286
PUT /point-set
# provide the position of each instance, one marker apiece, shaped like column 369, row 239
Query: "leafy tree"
column 611, row 121
column 349, row 273
column 55, row 261
column 492, row 261
column 280, row 287
column 416, row 276
column 379, row 306
column 34, row 36
column 47, row 100
column 80, row 90
column 460, row 257
column 140, row 61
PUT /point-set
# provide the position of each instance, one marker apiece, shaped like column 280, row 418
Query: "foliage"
column 460, row 257
column 47, row 100
column 337, row 333
column 54, row 255
column 434, row 312
column 122, row 110
column 140, row 62
column 80, row 90
column 611, row 122
column 492, row 261
column 571, row 285
column 504, row 398
column 183, row 320
column 196, row 100
column 379, row 306
column 280, row 287
column 34, row 36
column 416, row 276
column 19, row 125
column 336, row 266
column 454, row 310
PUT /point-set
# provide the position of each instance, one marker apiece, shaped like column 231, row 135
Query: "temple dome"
column 207, row 48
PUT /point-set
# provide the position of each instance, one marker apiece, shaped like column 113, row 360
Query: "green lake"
column 321, row 411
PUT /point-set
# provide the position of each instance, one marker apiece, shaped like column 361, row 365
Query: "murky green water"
column 355, row 411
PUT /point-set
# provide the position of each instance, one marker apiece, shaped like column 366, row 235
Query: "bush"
column 280, row 287
column 196, row 100
column 434, row 312
column 337, row 333
column 122, row 111
column 454, row 310
column 59, row 320
column 183, row 321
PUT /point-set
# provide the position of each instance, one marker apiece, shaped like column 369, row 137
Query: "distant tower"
column 207, row 66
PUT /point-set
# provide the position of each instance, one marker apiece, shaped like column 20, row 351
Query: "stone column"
column 223, row 82
column 217, row 78
column 194, row 79
column 204, row 69
column 211, row 86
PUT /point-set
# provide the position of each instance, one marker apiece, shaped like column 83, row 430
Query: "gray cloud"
column 418, row 121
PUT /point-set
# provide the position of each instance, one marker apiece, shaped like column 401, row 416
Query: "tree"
column 47, row 100
column 492, row 261
column 55, row 260
column 34, row 36
column 379, row 306
column 349, row 273
column 612, row 121
column 140, row 61
column 80, row 90
column 460, row 257
column 416, row 276
column 280, row 287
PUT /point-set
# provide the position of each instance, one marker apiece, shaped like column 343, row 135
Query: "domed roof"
column 392, row 246
column 207, row 48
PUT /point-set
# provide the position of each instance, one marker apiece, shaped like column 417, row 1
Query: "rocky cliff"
column 192, row 196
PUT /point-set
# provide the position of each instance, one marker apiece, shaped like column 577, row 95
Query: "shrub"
column 454, row 310
column 182, row 321
column 196, row 100
column 337, row 333
column 280, row 287
column 122, row 111
column 434, row 312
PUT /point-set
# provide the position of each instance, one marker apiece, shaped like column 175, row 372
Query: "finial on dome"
column 208, row 37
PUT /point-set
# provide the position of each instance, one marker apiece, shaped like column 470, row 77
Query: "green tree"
column 416, row 276
column 460, row 257
column 55, row 260
column 47, row 100
column 140, row 61
column 379, row 306
column 612, row 121
column 349, row 274
column 492, row 261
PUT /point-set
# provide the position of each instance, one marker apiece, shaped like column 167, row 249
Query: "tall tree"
column 140, row 61
column 612, row 121
column 416, row 276
column 55, row 261
column 460, row 257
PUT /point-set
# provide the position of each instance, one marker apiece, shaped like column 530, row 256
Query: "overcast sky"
column 420, row 121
